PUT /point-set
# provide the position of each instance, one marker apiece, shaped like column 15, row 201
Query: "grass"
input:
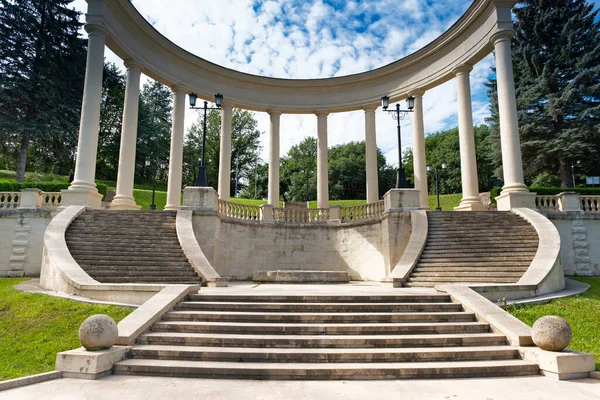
column 447, row 201
column 34, row 176
column 581, row 312
column 34, row 327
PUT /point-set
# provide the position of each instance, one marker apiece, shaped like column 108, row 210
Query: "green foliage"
column 556, row 69
column 12, row 186
column 581, row 312
column 447, row 201
column 546, row 180
column 34, row 327
column 245, row 144
column 548, row 191
column 299, row 172
column 495, row 192
column 41, row 81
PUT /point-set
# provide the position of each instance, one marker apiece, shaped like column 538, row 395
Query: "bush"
column 549, row 191
column 494, row 192
column 12, row 186
column 546, row 180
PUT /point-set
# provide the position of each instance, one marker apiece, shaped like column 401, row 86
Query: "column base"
column 123, row 203
column 81, row 197
column 509, row 200
column 471, row 205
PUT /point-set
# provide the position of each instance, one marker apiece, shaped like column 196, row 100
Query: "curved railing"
column 590, row 204
column 365, row 211
column 301, row 215
column 238, row 211
column 9, row 200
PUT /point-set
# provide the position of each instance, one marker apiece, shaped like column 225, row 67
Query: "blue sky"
column 319, row 39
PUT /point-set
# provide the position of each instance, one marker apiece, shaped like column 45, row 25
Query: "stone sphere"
column 551, row 333
column 98, row 332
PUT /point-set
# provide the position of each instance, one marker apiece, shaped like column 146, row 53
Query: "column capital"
column 504, row 35
column 96, row 29
column 370, row 107
column 416, row 93
column 226, row 104
column 462, row 69
column 132, row 64
column 274, row 111
column 177, row 89
column 322, row 113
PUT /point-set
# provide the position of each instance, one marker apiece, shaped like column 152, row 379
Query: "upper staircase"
column 129, row 247
column 474, row 247
column 420, row 335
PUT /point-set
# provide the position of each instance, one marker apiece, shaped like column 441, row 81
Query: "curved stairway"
column 322, row 337
column 129, row 247
column 474, row 247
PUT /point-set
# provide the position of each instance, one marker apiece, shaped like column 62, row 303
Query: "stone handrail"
column 51, row 199
column 365, row 211
column 590, row 204
column 9, row 200
column 238, row 211
column 547, row 203
column 301, row 215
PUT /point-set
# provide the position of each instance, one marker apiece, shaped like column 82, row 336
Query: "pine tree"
column 556, row 57
column 42, row 66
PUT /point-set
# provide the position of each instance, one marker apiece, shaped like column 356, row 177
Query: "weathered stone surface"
column 296, row 276
column 98, row 332
column 551, row 333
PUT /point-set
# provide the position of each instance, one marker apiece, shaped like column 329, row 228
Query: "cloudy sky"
column 318, row 39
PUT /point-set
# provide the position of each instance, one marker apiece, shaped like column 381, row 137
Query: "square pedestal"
column 81, row 197
column 510, row 200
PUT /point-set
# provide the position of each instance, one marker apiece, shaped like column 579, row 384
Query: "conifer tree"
column 556, row 58
column 42, row 65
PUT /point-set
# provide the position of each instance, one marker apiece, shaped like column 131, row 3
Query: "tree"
column 42, row 64
column 245, row 147
column 556, row 60
column 299, row 171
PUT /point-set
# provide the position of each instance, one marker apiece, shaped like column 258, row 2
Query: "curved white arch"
column 130, row 36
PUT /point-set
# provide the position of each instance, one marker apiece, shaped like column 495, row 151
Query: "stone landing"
column 298, row 276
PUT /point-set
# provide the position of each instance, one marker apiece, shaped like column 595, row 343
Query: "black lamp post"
column 155, row 173
column 573, row 166
column 201, row 178
column 398, row 115
column 437, row 183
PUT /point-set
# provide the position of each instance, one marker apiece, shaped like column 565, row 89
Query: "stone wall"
column 580, row 242
column 22, row 233
column 237, row 249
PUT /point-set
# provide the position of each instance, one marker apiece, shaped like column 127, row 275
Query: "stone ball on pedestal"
column 551, row 333
column 98, row 332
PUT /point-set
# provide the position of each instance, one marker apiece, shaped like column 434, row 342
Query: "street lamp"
column 398, row 115
column 437, row 183
column 162, row 166
column 573, row 170
column 201, row 178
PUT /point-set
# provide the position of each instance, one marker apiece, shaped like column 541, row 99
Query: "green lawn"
column 34, row 327
column 582, row 312
column 447, row 201
column 34, row 176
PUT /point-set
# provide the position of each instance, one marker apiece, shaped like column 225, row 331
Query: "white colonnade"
column 467, row 42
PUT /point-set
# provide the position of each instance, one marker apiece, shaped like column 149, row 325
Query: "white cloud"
column 311, row 39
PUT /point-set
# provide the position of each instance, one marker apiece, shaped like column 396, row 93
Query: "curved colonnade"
column 485, row 27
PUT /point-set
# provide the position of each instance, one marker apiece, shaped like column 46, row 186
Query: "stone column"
column 274, row 158
column 419, row 160
column 124, row 198
column 83, row 188
column 225, row 152
column 371, row 154
column 515, row 192
column 176, row 154
column 322, row 165
column 468, row 160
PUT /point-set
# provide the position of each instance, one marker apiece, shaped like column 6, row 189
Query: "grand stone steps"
column 474, row 247
column 322, row 337
column 129, row 247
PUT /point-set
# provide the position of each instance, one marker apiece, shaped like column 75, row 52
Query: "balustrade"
column 301, row 215
column 9, row 200
column 547, row 203
column 51, row 199
column 590, row 204
column 365, row 211
column 238, row 211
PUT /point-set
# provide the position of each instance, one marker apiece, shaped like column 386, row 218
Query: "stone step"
column 429, row 254
column 235, row 316
column 321, row 371
column 302, row 355
column 474, row 259
column 149, row 280
column 320, row 307
column 111, row 240
column 86, row 247
column 141, row 273
column 321, row 341
column 82, row 253
column 483, row 264
column 496, row 249
column 481, row 236
column 141, row 259
column 478, row 243
column 102, row 234
column 401, row 298
column 320, row 329
column 462, row 280
column 459, row 274
column 166, row 264
column 471, row 269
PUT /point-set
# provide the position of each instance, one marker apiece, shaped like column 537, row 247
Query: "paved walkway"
column 149, row 388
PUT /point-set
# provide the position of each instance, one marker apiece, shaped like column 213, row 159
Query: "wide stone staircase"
column 322, row 337
column 129, row 247
column 474, row 247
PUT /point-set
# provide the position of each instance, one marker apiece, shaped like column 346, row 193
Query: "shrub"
column 57, row 186
column 495, row 191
